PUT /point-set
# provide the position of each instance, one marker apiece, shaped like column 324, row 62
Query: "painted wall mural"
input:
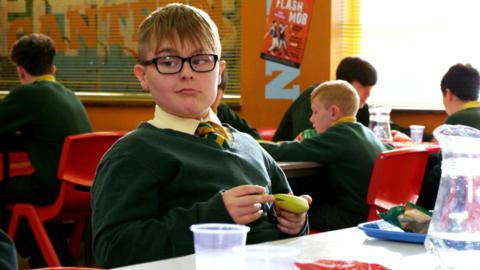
column 96, row 40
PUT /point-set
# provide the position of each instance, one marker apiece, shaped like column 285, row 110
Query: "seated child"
column 161, row 178
column 346, row 148
column 460, row 88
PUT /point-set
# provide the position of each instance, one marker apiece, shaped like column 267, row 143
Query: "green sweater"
column 153, row 184
column 348, row 152
column 45, row 113
column 227, row 116
column 468, row 117
column 431, row 181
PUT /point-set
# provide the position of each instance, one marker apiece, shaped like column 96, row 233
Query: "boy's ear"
column 335, row 112
column 139, row 72
column 448, row 94
column 22, row 74
column 221, row 64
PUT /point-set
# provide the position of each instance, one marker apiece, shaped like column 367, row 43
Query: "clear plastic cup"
column 266, row 257
column 416, row 133
column 214, row 243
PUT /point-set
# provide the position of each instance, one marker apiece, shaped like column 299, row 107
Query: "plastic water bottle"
column 380, row 122
column 454, row 232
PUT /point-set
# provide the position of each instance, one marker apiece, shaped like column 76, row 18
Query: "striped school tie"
column 207, row 130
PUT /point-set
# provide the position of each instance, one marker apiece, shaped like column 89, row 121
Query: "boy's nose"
column 187, row 72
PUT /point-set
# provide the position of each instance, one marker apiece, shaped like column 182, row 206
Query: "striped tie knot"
column 207, row 130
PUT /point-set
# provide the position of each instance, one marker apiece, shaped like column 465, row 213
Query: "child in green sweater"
column 158, row 180
column 346, row 148
column 460, row 88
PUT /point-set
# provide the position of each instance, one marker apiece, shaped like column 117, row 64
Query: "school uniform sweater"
column 347, row 151
column 45, row 112
column 154, row 183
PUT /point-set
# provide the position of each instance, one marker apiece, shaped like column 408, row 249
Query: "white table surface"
column 347, row 244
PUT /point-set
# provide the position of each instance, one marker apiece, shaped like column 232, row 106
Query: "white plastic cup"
column 214, row 243
column 266, row 257
column 416, row 133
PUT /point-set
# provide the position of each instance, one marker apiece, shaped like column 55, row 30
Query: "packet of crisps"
column 410, row 218
column 414, row 219
column 391, row 216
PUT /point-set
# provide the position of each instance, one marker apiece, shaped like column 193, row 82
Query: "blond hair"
column 339, row 93
column 177, row 22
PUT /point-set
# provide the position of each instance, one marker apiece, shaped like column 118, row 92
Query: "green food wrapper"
column 391, row 215
column 410, row 218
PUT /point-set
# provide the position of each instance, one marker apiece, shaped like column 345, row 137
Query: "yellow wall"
column 319, row 62
column 429, row 119
column 117, row 118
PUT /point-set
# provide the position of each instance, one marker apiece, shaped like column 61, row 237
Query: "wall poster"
column 287, row 31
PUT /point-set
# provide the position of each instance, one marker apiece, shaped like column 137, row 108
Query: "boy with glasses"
column 182, row 167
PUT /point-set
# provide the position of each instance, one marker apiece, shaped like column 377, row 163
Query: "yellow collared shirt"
column 46, row 77
column 470, row 104
column 163, row 119
column 345, row 119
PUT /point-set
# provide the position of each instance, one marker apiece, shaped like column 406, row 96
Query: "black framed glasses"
column 171, row 64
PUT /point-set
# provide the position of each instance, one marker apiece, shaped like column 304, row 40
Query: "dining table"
column 294, row 169
column 350, row 244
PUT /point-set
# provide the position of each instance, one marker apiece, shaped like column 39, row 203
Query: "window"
column 412, row 44
column 96, row 40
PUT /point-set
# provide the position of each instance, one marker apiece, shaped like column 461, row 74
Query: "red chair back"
column 266, row 133
column 78, row 162
column 396, row 179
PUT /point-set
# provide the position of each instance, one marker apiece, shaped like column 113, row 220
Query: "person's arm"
column 8, row 258
column 128, row 202
column 323, row 147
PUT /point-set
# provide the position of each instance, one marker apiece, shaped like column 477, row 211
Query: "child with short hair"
column 460, row 88
column 43, row 112
column 158, row 180
column 346, row 148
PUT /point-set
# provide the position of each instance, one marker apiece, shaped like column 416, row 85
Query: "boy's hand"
column 398, row 136
column 244, row 203
column 291, row 223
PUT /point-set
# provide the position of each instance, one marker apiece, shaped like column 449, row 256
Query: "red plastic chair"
column 266, row 133
column 19, row 164
column 396, row 179
column 78, row 162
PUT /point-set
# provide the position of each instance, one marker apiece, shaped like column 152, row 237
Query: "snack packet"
column 410, row 218
column 339, row 265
